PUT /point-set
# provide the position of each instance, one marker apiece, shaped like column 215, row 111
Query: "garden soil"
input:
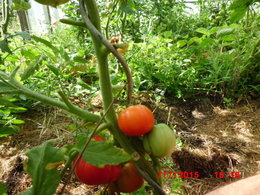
column 214, row 139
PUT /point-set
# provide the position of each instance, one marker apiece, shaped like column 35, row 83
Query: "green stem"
column 99, row 41
column 105, row 86
column 6, row 17
column 73, row 23
column 20, row 89
column 68, row 162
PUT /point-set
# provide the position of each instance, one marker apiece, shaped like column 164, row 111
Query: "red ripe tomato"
column 98, row 138
column 129, row 181
column 92, row 175
column 136, row 120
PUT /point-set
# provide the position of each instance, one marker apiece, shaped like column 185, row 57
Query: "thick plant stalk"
column 99, row 40
column 6, row 17
column 105, row 86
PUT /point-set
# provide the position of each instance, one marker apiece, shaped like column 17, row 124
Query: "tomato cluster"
column 126, row 178
column 138, row 120
column 158, row 140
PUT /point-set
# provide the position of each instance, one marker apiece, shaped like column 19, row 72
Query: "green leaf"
column 47, row 43
column 4, row 87
column 45, row 178
column 32, row 68
column 204, row 31
column 54, row 70
column 6, row 102
column 64, row 54
column 80, row 59
column 102, row 153
column 4, row 46
column 181, row 43
column 238, row 9
column 194, row 40
column 224, row 31
column 83, row 84
column 24, row 35
column 6, row 131
column 228, row 38
column 17, row 122
column 3, row 190
column 18, row 109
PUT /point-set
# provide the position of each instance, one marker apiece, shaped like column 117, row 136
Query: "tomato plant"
column 136, row 120
column 160, row 141
column 129, row 181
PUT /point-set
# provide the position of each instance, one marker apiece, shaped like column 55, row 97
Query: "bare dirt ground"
column 215, row 139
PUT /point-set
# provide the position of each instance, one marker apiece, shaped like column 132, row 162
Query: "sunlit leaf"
column 24, row 35
column 103, row 153
column 181, row 43
column 44, row 180
column 17, row 122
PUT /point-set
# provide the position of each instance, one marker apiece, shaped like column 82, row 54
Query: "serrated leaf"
column 45, row 181
column 6, row 131
column 4, row 46
column 102, row 153
column 3, row 190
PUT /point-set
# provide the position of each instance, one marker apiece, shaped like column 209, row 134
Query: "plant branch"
column 73, row 23
column 87, row 143
column 6, row 17
column 108, row 19
column 151, row 182
column 95, row 33
column 19, row 88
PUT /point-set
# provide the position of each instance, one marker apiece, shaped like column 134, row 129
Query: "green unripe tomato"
column 160, row 141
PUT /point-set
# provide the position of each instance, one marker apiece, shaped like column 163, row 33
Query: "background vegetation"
column 213, row 53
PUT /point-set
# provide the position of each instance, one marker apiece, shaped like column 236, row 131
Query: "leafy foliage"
column 45, row 177
column 102, row 153
column 8, row 120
